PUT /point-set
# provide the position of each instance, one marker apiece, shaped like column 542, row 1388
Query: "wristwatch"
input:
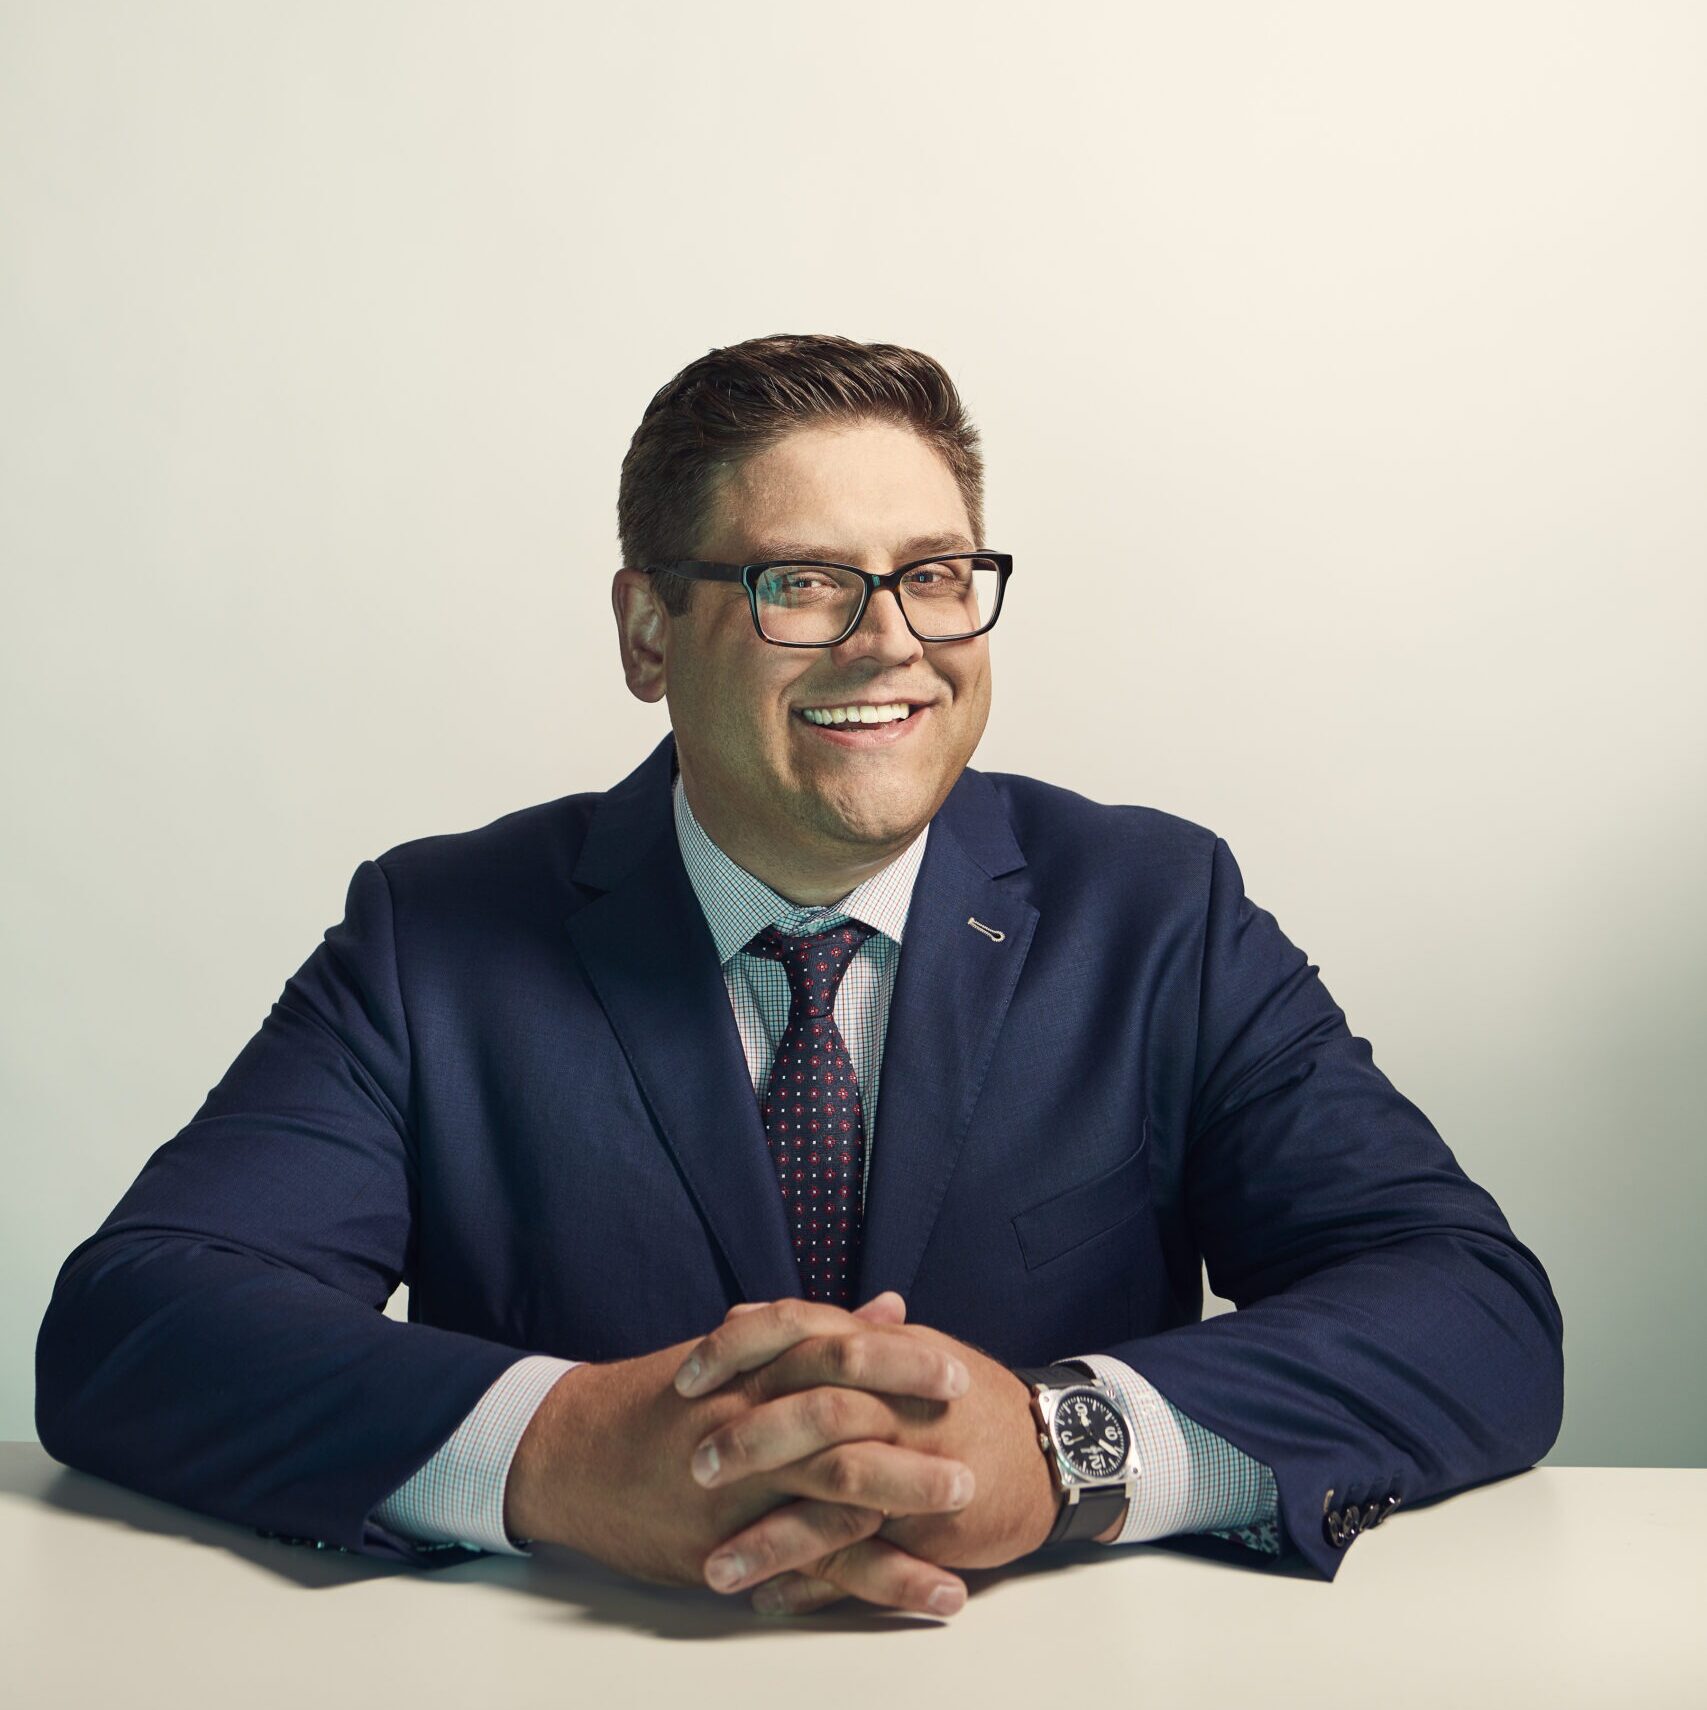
column 1088, row 1441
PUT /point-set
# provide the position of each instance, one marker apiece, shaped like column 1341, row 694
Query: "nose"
column 882, row 632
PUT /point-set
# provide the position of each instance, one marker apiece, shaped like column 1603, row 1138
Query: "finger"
column 796, row 1594
column 787, row 1537
column 885, row 1308
column 747, row 1340
column 781, row 1433
column 886, row 1575
column 888, row 1359
column 777, row 1432
column 884, row 1476
column 743, row 1343
column 755, row 1338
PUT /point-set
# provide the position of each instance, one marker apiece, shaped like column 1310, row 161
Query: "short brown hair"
column 742, row 398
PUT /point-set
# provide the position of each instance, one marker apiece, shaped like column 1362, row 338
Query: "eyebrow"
column 917, row 547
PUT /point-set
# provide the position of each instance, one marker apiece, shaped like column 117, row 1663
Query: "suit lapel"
column 649, row 955
column 952, row 991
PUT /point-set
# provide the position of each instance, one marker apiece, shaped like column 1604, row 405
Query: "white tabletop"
column 1561, row 1586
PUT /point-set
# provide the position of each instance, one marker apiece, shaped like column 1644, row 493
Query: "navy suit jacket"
column 510, row 1077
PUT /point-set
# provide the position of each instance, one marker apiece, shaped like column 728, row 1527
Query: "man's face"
column 759, row 775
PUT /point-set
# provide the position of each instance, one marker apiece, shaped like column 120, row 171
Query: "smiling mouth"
column 854, row 723
column 856, row 733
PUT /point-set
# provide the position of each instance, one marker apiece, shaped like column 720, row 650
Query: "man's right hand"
column 603, row 1467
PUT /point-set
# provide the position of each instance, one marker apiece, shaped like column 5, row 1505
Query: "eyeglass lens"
column 816, row 602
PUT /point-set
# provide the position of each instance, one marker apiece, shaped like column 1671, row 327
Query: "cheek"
column 971, row 689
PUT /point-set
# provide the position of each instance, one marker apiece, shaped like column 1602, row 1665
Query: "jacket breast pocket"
column 1070, row 1219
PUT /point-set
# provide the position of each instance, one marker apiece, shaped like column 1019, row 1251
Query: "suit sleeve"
column 220, row 1341
column 1393, row 1338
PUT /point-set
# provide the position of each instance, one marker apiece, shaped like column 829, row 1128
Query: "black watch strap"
column 1096, row 1510
column 1062, row 1375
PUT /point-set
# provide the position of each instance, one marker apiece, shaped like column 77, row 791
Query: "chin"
column 879, row 816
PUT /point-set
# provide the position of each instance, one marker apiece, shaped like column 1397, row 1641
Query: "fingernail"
column 768, row 1600
column 704, row 1463
column 725, row 1572
column 688, row 1377
column 961, row 1494
column 959, row 1379
column 946, row 1600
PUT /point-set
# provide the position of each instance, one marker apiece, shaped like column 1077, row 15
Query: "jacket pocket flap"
column 1072, row 1218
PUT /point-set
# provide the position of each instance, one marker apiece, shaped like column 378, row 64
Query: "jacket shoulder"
column 1055, row 824
column 523, row 847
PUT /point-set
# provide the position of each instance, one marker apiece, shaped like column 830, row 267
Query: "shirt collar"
column 737, row 905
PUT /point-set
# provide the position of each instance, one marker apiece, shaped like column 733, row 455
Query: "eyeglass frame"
column 871, row 582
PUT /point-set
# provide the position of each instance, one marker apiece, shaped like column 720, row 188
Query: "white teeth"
column 857, row 714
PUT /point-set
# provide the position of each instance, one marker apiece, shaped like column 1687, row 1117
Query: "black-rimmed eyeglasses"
column 807, row 603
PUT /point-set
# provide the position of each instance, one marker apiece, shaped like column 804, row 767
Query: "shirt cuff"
column 1190, row 1480
column 458, row 1496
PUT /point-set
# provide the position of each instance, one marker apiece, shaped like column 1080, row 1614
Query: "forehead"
column 846, row 488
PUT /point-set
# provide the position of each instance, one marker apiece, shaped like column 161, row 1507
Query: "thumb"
column 885, row 1308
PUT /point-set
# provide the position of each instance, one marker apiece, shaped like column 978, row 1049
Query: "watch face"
column 1091, row 1436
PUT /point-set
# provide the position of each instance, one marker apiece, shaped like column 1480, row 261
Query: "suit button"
column 1341, row 1526
column 1386, row 1507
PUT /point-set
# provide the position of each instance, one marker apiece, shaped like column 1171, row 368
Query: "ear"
column 642, row 629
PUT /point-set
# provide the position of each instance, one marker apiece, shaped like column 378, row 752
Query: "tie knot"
column 814, row 964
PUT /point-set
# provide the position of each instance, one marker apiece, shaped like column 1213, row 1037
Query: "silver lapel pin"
column 989, row 932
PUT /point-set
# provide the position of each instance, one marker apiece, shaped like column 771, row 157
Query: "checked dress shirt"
column 1193, row 1480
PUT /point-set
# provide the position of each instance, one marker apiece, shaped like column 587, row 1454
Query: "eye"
column 933, row 578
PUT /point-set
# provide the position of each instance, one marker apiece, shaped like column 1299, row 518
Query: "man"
column 600, row 1082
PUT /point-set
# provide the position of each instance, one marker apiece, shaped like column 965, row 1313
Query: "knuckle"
column 851, row 1526
column 843, row 1475
column 843, row 1565
column 827, row 1412
column 849, row 1356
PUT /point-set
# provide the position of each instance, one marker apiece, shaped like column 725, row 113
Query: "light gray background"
column 1361, row 344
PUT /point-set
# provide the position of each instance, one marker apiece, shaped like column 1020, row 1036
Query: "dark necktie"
column 813, row 1118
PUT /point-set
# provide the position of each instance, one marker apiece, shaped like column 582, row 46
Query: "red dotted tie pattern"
column 813, row 1118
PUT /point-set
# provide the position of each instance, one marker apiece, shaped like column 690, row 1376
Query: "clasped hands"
column 916, row 1452
column 833, row 1446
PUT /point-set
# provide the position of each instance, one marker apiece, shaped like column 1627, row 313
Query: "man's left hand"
column 990, row 1428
